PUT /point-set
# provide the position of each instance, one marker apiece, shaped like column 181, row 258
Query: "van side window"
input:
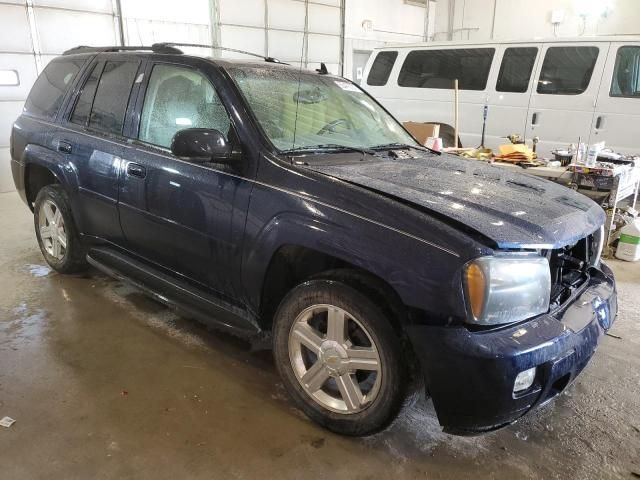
column 439, row 68
column 81, row 111
column 48, row 91
column 381, row 68
column 567, row 70
column 178, row 98
column 112, row 97
column 626, row 73
column 515, row 70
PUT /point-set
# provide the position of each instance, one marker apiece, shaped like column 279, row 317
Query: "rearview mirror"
column 201, row 144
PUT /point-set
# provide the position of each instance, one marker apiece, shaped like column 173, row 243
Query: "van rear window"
column 567, row 70
column 626, row 74
column 515, row 70
column 48, row 91
column 381, row 68
column 439, row 68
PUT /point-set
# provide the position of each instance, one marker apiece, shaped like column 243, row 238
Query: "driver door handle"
column 135, row 170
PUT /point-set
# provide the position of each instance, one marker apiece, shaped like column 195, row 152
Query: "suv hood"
column 512, row 209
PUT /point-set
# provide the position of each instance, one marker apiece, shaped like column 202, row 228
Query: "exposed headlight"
column 504, row 289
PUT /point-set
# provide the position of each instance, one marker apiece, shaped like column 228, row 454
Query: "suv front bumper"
column 470, row 375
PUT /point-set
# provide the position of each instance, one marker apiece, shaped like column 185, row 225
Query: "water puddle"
column 39, row 270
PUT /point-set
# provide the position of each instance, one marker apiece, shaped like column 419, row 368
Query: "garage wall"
column 278, row 28
column 376, row 23
column 524, row 19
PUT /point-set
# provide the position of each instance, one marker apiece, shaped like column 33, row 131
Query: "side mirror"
column 201, row 144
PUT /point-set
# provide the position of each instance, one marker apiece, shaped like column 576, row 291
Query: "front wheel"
column 339, row 357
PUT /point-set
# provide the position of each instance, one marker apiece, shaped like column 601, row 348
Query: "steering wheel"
column 330, row 127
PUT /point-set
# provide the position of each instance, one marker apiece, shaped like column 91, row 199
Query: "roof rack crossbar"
column 215, row 47
column 156, row 48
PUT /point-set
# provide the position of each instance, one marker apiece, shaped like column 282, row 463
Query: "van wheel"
column 56, row 231
column 339, row 357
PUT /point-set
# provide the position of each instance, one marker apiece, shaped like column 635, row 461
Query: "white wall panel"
column 25, row 65
column 14, row 29
column 324, row 19
column 79, row 29
column 287, row 14
column 104, row 6
column 324, row 48
column 246, row 12
column 6, row 179
column 250, row 39
column 181, row 11
column 145, row 32
column 285, row 46
column 9, row 112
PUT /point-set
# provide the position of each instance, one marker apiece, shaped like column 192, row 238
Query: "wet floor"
column 105, row 383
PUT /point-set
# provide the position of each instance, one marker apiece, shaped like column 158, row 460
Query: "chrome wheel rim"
column 335, row 359
column 52, row 230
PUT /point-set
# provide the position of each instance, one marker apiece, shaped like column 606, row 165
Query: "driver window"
column 178, row 98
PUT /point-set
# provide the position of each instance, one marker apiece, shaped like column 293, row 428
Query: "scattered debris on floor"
column 7, row 422
column 614, row 336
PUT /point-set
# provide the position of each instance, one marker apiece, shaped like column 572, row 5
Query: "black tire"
column 73, row 259
column 387, row 402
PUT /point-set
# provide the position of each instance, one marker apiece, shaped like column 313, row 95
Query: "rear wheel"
column 339, row 357
column 56, row 233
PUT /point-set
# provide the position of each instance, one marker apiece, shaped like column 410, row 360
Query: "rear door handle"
column 64, row 147
column 135, row 170
column 534, row 119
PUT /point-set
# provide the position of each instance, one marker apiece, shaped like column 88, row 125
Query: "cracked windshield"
column 300, row 111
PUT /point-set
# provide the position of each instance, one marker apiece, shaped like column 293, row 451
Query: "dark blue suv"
column 290, row 208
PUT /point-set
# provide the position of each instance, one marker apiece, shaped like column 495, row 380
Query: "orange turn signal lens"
column 476, row 289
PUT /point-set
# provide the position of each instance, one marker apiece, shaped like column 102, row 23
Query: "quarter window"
column 381, row 68
column 178, row 98
column 112, row 97
column 49, row 89
column 439, row 68
column 626, row 74
column 515, row 70
column 567, row 70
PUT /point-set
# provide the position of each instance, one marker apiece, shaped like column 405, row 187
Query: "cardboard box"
column 422, row 131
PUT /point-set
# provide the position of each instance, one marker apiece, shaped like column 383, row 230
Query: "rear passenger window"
column 381, row 68
column 515, row 70
column 83, row 105
column 567, row 70
column 178, row 98
column 48, row 91
column 439, row 68
column 112, row 97
column 626, row 74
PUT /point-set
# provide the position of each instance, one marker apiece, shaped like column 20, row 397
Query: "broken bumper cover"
column 470, row 375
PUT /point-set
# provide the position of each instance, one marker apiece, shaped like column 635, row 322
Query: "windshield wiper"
column 398, row 146
column 330, row 147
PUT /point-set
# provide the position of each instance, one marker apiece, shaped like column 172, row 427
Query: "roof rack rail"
column 214, row 47
column 156, row 48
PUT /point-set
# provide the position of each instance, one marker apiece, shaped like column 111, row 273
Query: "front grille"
column 569, row 266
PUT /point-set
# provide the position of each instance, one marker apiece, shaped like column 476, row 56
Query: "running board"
column 175, row 293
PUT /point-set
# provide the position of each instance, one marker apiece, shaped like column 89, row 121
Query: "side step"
column 176, row 293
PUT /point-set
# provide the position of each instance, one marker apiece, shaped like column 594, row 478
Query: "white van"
column 558, row 90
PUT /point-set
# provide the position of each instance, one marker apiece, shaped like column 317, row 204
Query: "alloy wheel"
column 335, row 359
column 52, row 230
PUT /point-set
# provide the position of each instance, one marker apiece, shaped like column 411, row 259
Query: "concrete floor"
column 105, row 383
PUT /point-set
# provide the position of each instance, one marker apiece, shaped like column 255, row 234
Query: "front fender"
column 423, row 275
